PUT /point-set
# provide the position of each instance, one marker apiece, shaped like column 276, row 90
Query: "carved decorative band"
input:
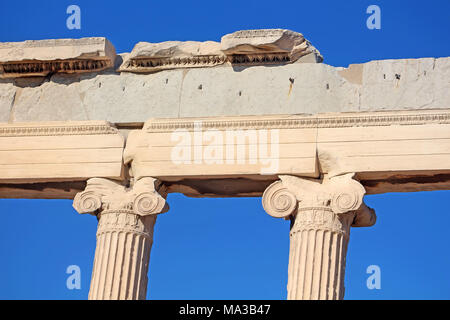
column 196, row 61
column 10, row 131
column 307, row 122
column 322, row 219
column 122, row 220
column 118, row 211
column 312, row 227
column 45, row 67
column 260, row 58
column 53, row 43
column 300, row 209
column 117, row 229
column 383, row 120
column 257, row 33
column 208, row 60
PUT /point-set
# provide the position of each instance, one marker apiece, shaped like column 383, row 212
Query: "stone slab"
column 187, row 153
column 242, row 48
column 41, row 57
column 266, row 41
column 152, row 57
column 60, row 151
column 221, row 147
column 303, row 88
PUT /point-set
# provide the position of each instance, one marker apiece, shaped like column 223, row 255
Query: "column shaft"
column 318, row 248
column 124, row 240
column 321, row 213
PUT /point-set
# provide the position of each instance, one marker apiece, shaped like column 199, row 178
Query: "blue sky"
column 230, row 248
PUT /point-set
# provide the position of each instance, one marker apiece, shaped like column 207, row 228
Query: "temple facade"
column 257, row 114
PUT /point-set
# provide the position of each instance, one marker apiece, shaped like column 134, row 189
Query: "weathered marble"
column 272, row 45
column 226, row 91
column 124, row 235
column 151, row 57
column 402, row 84
column 321, row 214
column 42, row 57
column 7, row 96
column 256, row 114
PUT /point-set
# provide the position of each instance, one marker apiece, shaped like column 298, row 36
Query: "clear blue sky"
column 230, row 248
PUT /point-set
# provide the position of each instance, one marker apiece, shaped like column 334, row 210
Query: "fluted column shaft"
column 318, row 247
column 124, row 240
column 321, row 214
column 124, row 235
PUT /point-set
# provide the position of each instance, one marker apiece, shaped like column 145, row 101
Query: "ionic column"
column 124, row 235
column 321, row 214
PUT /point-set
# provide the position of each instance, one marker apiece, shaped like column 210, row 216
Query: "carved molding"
column 43, row 68
column 53, row 43
column 14, row 130
column 150, row 64
column 203, row 61
column 260, row 58
column 319, row 202
column 300, row 122
column 257, row 33
column 33, row 58
column 242, row 48
column 146, row 197
column 123, row 221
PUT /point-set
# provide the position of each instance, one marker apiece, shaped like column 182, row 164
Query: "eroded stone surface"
column 7, row 95
column 266, row 45
column 402, row 84
column 246, row 47
column 59, row 99
column 151, row 57
column 288, row 89
column 299, row 88
column 41, row 57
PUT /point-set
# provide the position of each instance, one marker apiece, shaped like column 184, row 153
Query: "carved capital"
column 279, row 201
column 146, row 197
column 149, row 197
column 338, row 195
column 93, row 198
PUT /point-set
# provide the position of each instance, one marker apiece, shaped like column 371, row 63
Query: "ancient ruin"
column 257, row 115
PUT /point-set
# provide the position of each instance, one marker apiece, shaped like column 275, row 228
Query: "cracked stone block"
column 267, row 45
column 42, row 57
column 150, row 57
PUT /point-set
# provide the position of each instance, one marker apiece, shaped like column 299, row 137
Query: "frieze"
column 299, row 122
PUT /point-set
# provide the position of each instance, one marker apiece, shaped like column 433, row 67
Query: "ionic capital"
column 338, row 195
column 145, row 197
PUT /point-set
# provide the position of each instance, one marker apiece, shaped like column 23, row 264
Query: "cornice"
column 55, row 130
column 299, row 122
column 18, row 68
